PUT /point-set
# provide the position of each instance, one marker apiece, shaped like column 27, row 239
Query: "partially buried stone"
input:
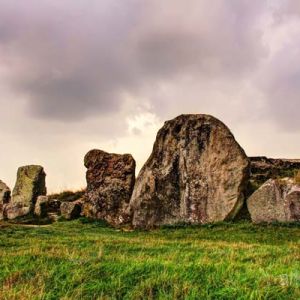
column 277, row 200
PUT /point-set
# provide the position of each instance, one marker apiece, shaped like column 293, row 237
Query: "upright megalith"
column 110, row 181
column 197, row 173
column 4, row 198
column 29, row 185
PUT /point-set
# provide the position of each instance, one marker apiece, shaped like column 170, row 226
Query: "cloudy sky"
column 83, row 74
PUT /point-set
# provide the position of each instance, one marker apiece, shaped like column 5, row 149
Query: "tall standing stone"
column 4, row 198
column 110, row 181
column 29, row 185
column 197, row 173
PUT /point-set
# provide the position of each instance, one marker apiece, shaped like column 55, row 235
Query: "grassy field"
column 84, row 260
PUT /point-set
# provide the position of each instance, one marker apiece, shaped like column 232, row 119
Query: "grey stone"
column 197, row 173
column 41, row 206
column 71, row 210
column 277, row 200
column 29, row 185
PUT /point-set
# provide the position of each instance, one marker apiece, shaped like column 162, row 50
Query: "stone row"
column 197, row 173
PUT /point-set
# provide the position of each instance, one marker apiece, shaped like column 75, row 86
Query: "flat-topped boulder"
column 197, row 173
column 277, row 200
column 110, row 181
column 29, row 185
column 4, row 198
column 263, row 168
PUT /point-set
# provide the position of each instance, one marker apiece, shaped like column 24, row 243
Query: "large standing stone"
column 196, row 173
column 29, row 185
column 110, row 180
column 4, row 198
column 277, row 200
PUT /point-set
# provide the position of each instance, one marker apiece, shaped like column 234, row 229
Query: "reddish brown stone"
column 110, row 181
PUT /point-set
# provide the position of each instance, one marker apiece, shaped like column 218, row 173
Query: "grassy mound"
column 72, row 260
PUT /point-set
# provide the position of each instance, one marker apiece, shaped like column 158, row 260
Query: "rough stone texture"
column 4, row 198
column 53, row 217
column 196, row 173
column 15, row 210
column 44, row 205
column 41, row 206
column 54, row 206
column 263, row 168
column 110, row 181
column 277, row 200
column 71, row 210
column 29, row 185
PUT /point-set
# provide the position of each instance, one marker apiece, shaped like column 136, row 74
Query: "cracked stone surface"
column 277, row 200
column 197, row 173
column 110, row 180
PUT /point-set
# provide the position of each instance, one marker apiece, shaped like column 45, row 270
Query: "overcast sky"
column 83, row 74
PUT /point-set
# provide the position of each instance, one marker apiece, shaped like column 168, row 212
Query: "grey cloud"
column 287, row 8
column 74, row 59
column 77, row 59
column 280, row 82
column 212, row 40
column 91, row 72
column 68, row 63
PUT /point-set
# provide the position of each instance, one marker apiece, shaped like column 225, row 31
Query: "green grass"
column 88, row 260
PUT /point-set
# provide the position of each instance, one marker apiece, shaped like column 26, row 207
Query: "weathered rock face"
column 263, row 168
column 278, row 200
column 44, row 205
column 71, row 210
column 53, row 206
column 41, row 205
column 110, row 181
column 196, row 173
column 29, row 185
column 4, row 198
